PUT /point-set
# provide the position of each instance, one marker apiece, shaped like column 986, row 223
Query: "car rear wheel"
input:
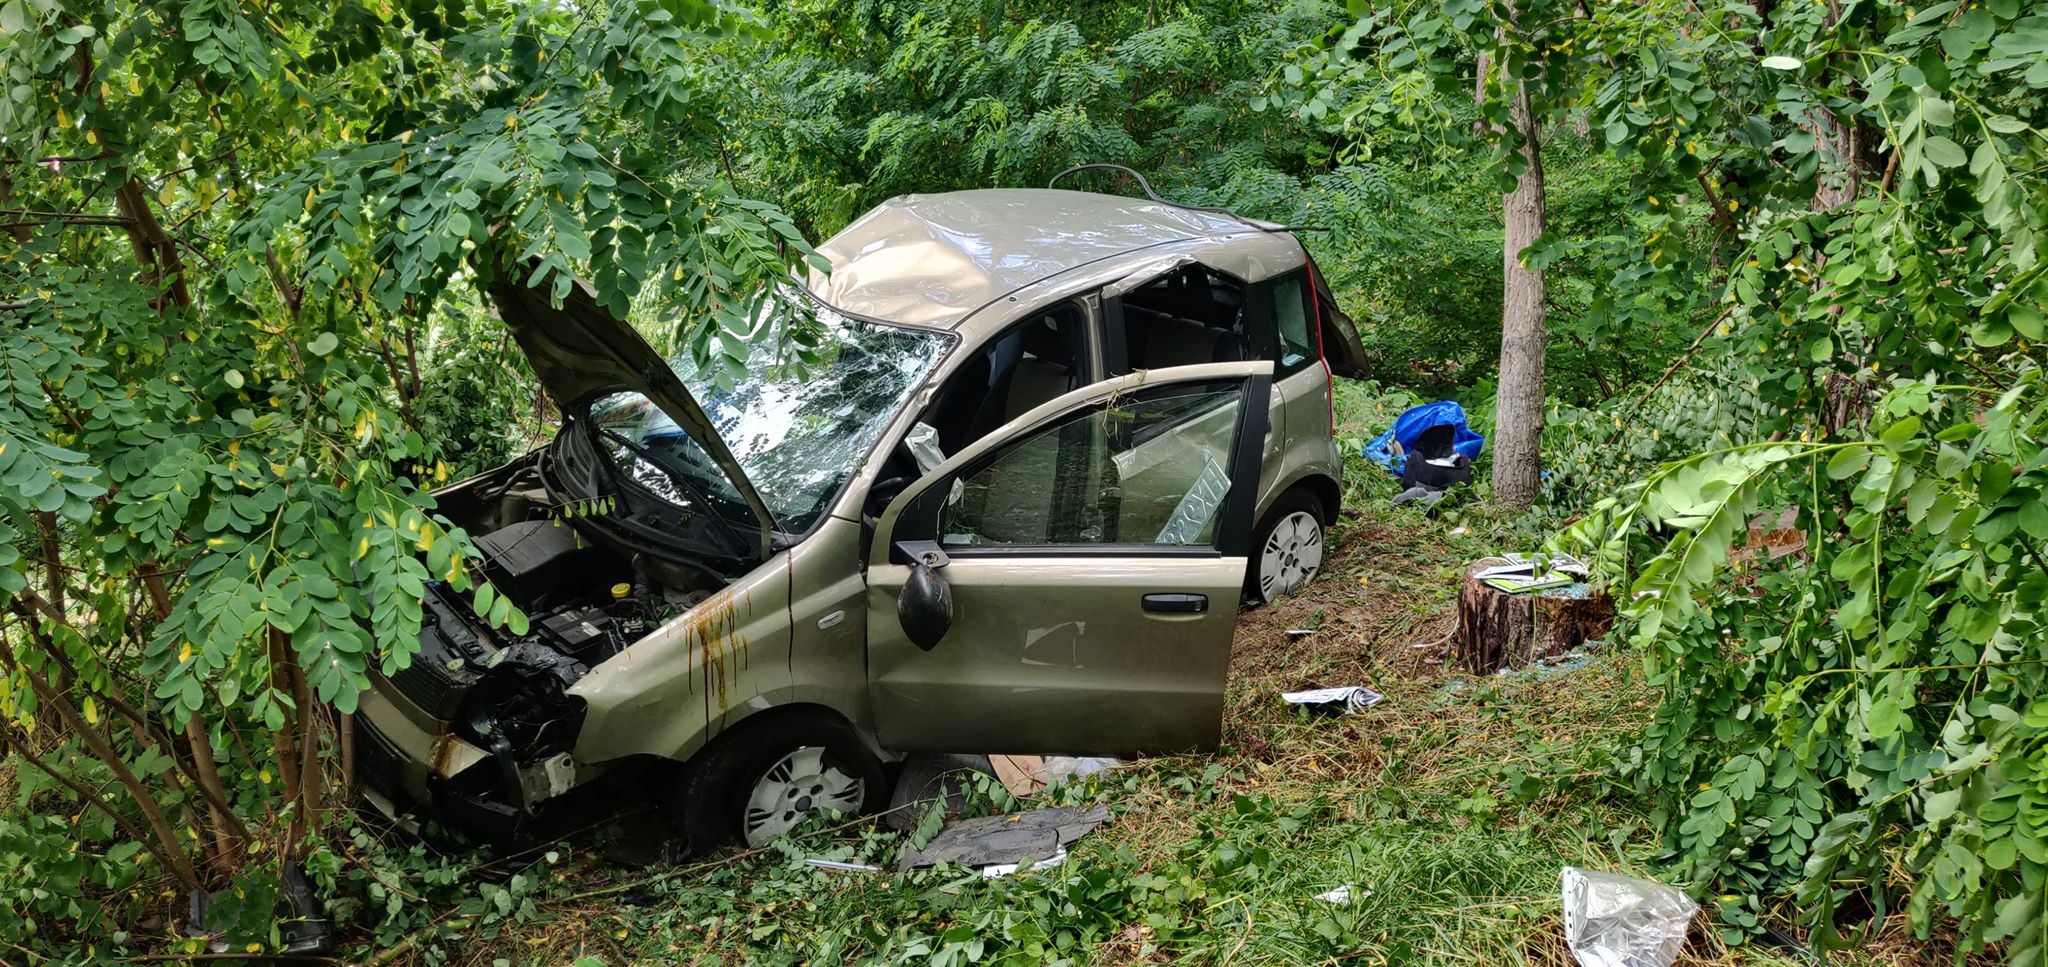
column 764, row 780
column 1287, row 549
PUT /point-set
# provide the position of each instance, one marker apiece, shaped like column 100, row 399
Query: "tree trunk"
column 1499, row 630
column 1518, row 424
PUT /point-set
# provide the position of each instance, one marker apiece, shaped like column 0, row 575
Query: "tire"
column 1287, row 548
column 765, row 778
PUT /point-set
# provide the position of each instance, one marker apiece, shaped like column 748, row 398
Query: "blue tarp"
column 1409, row 426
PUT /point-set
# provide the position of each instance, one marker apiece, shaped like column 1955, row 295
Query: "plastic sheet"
column 1620, row 921
column 1409, row 426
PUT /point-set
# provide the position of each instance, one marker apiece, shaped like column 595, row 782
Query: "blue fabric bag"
column 1409, row 426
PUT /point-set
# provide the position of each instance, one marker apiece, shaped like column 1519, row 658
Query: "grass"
column 1455, row 802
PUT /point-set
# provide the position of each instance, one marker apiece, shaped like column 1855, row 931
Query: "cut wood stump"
column 1498, row 630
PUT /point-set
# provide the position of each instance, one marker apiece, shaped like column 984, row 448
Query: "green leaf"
column 1945, row 152
column 1898, row 434
column 1821, row 349
column 1937, row 806
column 1780, row 62
column 1848, row 462
column 323, row 344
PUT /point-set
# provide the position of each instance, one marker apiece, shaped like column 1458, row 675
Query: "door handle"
column 1176, row 603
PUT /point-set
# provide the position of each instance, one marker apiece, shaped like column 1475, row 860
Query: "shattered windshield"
column 798, row 430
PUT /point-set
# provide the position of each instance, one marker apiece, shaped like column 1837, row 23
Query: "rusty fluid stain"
column 714, row 633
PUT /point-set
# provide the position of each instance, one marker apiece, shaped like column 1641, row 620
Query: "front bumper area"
column 414, row 761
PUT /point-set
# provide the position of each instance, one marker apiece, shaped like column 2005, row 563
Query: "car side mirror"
column 925, row 606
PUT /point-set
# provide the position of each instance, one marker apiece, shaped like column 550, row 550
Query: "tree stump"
column 1499, row 630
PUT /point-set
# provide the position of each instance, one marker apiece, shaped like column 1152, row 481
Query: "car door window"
column 1291, row 317
column 1152, row 467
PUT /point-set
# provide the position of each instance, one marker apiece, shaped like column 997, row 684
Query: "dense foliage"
column 230, row 239
column 1862, row 720
column 241, row 339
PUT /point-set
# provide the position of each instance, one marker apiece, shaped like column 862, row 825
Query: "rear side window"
column 1193, row 315
column 1292, row 318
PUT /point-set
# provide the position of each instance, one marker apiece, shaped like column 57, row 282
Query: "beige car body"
column 1048, row 653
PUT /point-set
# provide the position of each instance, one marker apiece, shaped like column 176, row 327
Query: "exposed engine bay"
column 585, row 601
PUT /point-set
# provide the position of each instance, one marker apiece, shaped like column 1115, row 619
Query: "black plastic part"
column 1176, row 603
column 303, row 930
column 530, row 559
column 307, row 932
column 925, row 607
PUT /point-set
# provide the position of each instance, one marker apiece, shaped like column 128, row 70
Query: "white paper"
column 1353, row 697
column 1343, row 895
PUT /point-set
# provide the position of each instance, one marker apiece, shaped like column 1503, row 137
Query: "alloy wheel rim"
column 1292, row 555
column 798, row 786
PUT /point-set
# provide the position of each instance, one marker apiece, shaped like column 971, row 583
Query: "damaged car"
column 1050, row 439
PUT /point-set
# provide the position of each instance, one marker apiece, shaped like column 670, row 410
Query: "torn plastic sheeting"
column 1612, row 920
column 1409, row 426
column 1347, row 700
column 1060, row 768
column 1030, row 836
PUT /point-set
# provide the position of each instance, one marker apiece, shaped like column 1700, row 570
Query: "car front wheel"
column 1287, row 549
column 762, row 782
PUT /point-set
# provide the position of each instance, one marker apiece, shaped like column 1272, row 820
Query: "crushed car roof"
column 933, row 260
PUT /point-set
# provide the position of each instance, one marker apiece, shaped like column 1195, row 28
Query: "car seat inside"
column 1190, row 316
column 1029, row 364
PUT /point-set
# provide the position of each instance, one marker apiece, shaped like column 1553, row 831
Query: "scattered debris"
column 1418, row 494
column 1022, row 775
column 1549, row 665
column 1345, row 700
column 1534, row 563
column 1342, row 896
column 1533, row 572
column 842, row 866
column 1026, row 837
column 1025, row 775
column 1621, row 921
column 303, row 930
column 1061, row 768
column 1299, row 633
column 1005, row 869
column 1460, row 531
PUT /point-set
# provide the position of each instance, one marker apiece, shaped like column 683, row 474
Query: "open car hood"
column 580, row 350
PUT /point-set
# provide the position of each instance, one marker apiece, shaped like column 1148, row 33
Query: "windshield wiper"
column 648, row 457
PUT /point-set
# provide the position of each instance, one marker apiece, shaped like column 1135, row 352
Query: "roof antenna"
column 1146, row 187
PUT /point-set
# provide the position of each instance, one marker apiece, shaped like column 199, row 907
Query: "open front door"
column 1069, row 583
